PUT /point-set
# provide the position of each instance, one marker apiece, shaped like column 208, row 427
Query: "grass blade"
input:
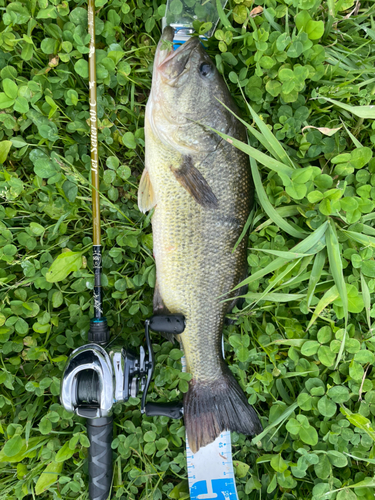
column 265, row 136
column 305, row 261
column 366, row 300
column 279, row 253
column 354, row 139
column 268, row 208
column 280, row 420
column 222, row 16
column 363, row 239
column 296, row 374
column 315, row 248
column 327, row 298
column 282, row 391
column 290, row 342
column 331, row 17
column 368, row 230
column 271, row 20
column 341, row 350
column 368, row 217
column 278, row 278
column 316, row 273
column 287, row 211
column 312, row 244
column 245, row 229
column 362, row 422
column 366, row 82
column 273, row 266
column 259, row 137
column 364, row 459
column 295, row 281
column 366, row 112
column 335, row 263
column 275, row 297
column 264, row 159
column 270, row 141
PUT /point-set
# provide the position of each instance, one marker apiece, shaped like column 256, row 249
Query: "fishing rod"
column 99, row 430
column 98, row 375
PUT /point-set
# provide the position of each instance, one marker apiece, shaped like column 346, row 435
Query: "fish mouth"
column 173, row 63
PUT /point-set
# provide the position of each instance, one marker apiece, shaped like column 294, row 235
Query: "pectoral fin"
column 146, row 195
column 193, row 181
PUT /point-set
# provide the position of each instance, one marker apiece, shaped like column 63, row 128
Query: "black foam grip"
column 171, row 323
column 100, row 431
column 171, row 410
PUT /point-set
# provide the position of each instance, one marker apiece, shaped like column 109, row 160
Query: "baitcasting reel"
column 95, row 379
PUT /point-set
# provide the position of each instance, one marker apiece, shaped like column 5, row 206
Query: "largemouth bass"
column 201, row 189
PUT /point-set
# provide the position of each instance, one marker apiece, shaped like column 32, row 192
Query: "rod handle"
column 100, row 431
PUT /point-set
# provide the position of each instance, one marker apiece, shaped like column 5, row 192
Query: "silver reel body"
column 95, row 379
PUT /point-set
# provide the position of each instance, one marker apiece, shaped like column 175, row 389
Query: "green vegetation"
column 302, row 347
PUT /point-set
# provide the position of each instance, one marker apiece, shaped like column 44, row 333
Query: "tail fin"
column 210, row 408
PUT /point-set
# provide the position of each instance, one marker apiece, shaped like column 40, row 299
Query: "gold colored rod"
column 93, row 126
column 97, row 251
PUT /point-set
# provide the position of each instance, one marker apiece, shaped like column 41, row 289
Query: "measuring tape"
column 210, row 470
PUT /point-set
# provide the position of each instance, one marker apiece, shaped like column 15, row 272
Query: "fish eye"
column 205, row 69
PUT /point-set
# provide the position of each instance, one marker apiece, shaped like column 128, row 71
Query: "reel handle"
column 171, row 410
column 173, row 324
column 167, row 323
column 100, row 431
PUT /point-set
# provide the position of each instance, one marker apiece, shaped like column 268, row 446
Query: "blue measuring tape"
column 210, row 470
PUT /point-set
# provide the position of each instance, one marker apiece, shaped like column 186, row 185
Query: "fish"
column 201, row 191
